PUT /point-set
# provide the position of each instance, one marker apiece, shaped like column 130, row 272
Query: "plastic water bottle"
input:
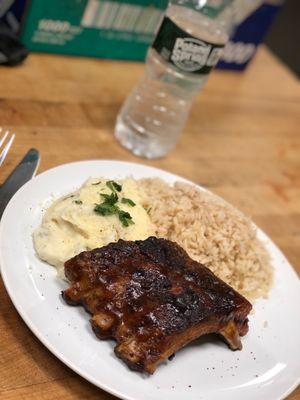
column 187, row 46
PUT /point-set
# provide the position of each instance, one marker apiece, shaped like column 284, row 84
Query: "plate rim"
column 46, row 341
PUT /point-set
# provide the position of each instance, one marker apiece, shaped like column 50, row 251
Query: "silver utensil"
column 5, row 146
column 23, row 172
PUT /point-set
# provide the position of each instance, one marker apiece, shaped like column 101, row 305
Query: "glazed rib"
column 153, row 299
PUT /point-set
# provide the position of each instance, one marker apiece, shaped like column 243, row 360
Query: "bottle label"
column 186, row 52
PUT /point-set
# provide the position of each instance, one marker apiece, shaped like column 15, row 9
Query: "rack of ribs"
column 153, row 299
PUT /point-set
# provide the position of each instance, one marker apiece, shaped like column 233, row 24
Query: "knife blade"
column 23, row 172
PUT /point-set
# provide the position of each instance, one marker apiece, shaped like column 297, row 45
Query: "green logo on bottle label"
column 186, row 52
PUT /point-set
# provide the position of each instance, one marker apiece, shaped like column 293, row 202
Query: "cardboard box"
column 124, row 29
column 98, row 28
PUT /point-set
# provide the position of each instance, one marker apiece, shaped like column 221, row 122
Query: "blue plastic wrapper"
column 249, row 34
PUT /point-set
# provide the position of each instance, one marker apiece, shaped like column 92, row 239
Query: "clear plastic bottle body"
column 154, row 114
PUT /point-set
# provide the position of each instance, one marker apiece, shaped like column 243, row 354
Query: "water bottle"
column 188, row 44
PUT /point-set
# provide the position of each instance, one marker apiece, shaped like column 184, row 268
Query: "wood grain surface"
column 242, row 141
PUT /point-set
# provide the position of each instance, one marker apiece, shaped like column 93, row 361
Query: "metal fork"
column 6, row 147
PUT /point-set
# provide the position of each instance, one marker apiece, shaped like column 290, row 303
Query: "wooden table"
column 242, row 141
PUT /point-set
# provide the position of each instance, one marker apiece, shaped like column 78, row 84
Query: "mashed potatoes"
column 71, row 225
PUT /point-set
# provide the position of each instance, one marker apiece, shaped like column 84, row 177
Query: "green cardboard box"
column 120, row 29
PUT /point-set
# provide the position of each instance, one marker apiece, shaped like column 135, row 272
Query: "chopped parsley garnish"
column 114, row 186
column 149, row 210
column 128, row 201
column 77, row 201
column 109, row 206
column 96, row 183
column 125, row 218
column 110, row 198
column 106, row 209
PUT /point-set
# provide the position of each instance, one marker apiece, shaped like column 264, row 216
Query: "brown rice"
column 212, row 232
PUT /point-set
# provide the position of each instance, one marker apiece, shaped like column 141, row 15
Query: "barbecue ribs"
column 153, row 299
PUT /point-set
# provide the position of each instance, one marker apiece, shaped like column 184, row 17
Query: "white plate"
column 267, row 368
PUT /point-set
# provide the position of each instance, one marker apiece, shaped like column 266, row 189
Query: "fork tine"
column 6, row 148
column 3, row 137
